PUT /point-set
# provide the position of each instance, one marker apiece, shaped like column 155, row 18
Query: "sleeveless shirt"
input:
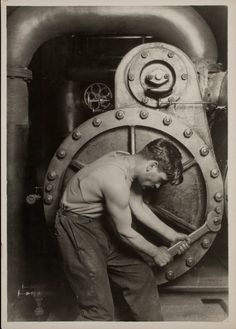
column 82, row 194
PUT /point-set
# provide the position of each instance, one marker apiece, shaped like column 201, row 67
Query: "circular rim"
column 157, row 55
column 155, row 120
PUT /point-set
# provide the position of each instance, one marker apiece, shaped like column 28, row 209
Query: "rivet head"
column 76, row 135
column 49, row 187
column 97, row 122
column 144, row 100
column 131, row 77
column 217, row 221
column 204, row 151
column 61, row 154
column 205, row 243
column 184, row 76
column 144, row 54
column 167, row 121
column 120, row 115
column 214, row 173
column 170, row 54
column 166, row 76
column 48, row 199
column 171, row 99
column 143, row 114
column 188, row 132
column 218, row 210
column 218, row 197
column 52, row 175
column 189, row 261
column 170, row 275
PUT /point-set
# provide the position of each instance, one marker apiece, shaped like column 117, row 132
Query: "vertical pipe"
column 17, row 136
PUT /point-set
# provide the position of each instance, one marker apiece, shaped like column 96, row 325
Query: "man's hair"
column 168, row 157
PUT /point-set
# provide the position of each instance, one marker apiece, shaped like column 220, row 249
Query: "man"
column 97, row 241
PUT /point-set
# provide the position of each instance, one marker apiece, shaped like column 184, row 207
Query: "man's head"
column 162, row 163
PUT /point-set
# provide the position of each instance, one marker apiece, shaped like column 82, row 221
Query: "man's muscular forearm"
column 160, row 255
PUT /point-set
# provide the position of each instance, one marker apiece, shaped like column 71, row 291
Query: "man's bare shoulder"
column 111, row 179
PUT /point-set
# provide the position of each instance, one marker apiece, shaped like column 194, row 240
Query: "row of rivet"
column 52, row 174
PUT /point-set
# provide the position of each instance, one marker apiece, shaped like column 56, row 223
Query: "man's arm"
column 117, row 194
column 144, row 214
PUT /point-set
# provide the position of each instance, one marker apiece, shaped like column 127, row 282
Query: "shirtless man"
column 95, row 235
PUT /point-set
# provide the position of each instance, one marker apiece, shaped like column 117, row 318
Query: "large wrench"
column 212, row 224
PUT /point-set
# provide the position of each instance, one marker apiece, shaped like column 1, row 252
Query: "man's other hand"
column 162, row 257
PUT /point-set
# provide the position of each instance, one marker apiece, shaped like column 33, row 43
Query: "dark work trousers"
column 91, row 256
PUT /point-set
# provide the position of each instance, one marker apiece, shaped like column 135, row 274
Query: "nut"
column 52, row 175
column 76, row 135
column 143, row 114
column 214, row 173
column 204, row 151
column 61, row 154
column 205, row 243
column 218, row 197
column 120, row 115
column 188, row 132
column 170, row 275
column 97, row 122
column 167, row 121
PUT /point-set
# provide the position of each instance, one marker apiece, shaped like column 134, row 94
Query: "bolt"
column 159, row 75
column 184, row 76
column 48, row 199
column 189, row 261
column 76, row 135
column 218, row 210
column 218, row 197
column 131, row 77
column 217, row 221
column 97, row 122
column 61, row 154
column 204, row 151
column 167, row 121
column 205, row 243
column 120, row 115
column 49, row 187
column 144, row 54
column 171, row 99
column 170, row 54
column 143, row 114
column 52, row 175
column 149, row 77
column 144, row 100
column 188, row 132
column 214, row 173
column 170, row 275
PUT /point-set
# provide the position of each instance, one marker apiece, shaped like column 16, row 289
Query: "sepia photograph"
column 114, row 195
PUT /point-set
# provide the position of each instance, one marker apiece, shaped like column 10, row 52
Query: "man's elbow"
column 126, row 234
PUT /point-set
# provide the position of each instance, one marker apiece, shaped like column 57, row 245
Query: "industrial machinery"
column 113, row 86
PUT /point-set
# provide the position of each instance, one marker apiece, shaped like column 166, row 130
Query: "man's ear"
column 151, row 164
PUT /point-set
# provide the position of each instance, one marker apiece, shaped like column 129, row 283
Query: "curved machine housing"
column 157, row 95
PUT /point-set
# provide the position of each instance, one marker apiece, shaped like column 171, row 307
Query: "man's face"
column 152, row 176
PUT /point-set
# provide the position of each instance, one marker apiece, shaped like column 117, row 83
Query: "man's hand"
column 162, row 257
column 185, row 242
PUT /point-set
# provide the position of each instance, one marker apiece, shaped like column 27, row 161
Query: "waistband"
column 77, row 216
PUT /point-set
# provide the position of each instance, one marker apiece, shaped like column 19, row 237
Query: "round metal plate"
column 145, row 62
column 130, row 127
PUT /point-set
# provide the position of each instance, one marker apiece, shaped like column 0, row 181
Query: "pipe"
column 182, row 26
